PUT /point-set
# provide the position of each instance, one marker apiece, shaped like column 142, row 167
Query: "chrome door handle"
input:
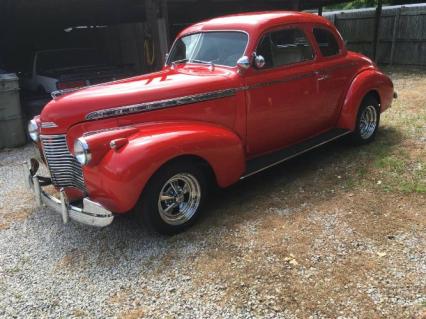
column 321, row 75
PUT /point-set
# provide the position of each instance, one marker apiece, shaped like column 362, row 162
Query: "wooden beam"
column 377, row 28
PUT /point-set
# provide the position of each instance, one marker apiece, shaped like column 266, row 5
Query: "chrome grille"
column 64, row 168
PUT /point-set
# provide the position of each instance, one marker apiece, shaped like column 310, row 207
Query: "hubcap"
column 368, row 122
column 179, row 199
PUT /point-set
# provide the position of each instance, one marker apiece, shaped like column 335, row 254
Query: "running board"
column 262, row 163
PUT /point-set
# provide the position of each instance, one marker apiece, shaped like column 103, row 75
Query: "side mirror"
column 259, row 61
column 243, row 63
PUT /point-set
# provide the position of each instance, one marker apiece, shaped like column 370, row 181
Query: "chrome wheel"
column 368, row 122
column 179, row 199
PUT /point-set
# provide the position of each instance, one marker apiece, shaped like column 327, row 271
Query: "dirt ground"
column 337, row 233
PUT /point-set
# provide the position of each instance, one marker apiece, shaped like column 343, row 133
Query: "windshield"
column 222, row 48
column 65, row 59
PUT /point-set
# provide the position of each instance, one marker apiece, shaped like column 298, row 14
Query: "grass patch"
column 391, row 163
column 401, row 174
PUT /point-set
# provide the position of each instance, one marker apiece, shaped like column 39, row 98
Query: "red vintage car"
column 237, row 95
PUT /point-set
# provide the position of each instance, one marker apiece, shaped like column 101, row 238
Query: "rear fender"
column 367, row 81
column 120, row 177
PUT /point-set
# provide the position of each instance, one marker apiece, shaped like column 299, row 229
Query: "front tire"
column 173, row 198
column 368, row 120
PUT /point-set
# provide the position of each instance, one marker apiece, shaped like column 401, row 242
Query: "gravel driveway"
column 327, row 235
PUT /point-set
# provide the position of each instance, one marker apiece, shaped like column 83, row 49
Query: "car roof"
column 254, row 21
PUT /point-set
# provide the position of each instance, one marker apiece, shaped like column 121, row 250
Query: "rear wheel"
column 367, row 121
column 173, row 199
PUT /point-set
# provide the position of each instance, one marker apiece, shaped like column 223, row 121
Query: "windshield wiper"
column 193, row 61
column 180, row 61
column 210, row 63
column 200, row 61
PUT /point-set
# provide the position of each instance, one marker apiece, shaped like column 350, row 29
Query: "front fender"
column 370, row 80
column 120, row 177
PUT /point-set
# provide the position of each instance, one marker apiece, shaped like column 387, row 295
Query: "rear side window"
column 327, row 42
column 285, row 47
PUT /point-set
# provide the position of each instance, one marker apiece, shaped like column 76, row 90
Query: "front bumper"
column 91, row 213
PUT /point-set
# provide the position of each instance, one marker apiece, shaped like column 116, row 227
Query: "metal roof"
column 63, row 13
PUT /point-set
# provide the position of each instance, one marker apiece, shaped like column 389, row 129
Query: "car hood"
column 69, row 109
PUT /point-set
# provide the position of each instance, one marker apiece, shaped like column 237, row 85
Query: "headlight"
column 33, row 130
column 81, row 151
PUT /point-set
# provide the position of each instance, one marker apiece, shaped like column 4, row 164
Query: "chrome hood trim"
column 151, row 106
column 58, row 93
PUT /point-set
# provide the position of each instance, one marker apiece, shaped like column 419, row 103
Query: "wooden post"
column 157, row 25
column 163, row 25
column 295, row 5
column 395, row 31
column 377, row 29
column 332, row 19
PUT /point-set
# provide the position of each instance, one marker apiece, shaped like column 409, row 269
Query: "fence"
column 402, row 35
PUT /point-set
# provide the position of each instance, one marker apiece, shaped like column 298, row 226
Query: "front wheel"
column 173, row 198
column 367, row 122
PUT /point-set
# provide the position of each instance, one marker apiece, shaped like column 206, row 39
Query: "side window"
column 326, row 41
column 290, row 46
column 185, row 46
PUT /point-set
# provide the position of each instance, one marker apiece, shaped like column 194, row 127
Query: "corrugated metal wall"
column 402, row 37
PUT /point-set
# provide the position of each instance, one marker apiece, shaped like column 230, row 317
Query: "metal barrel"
column 12, row 133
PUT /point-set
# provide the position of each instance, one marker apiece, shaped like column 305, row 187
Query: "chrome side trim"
column 112, row 129
column 294, row 155
column 150, row 106
column 279, row 81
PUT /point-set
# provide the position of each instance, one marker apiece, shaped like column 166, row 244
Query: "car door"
column 281, row 96
column 333, row 71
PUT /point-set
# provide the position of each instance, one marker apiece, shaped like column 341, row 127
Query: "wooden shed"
column 131, row 32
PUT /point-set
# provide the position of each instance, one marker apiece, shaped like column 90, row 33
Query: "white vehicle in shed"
column 60, row 69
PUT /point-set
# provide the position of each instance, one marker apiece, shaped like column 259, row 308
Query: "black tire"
column 363, row 133
column 148, row 210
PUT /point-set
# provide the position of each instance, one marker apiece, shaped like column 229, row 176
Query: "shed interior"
column 131, row 33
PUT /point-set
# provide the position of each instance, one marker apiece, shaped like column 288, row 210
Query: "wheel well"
column 196, row 160
column 374, row 94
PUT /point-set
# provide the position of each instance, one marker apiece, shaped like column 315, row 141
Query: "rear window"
column 327, row 42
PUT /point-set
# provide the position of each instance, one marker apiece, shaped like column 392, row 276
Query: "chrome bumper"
column 91, row 213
